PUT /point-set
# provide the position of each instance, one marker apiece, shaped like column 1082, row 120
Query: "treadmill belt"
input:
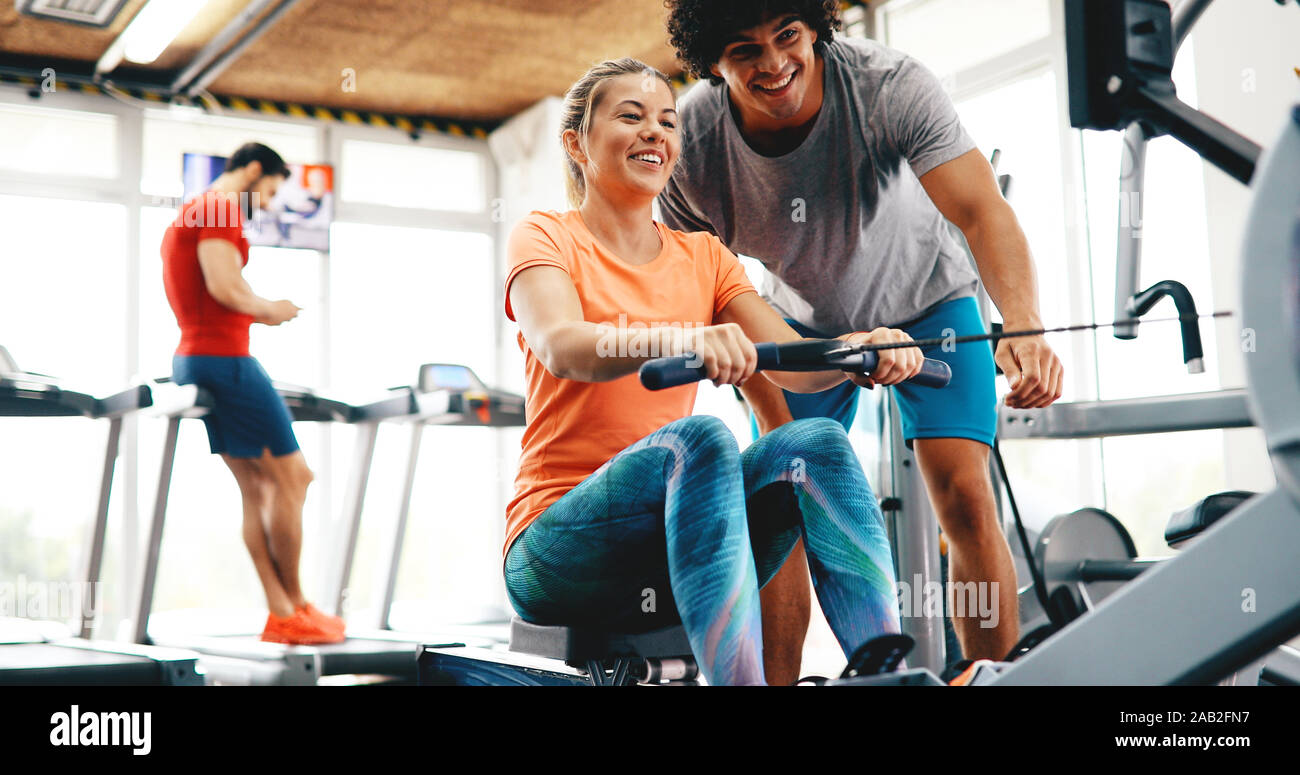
column 51, row 665
column 354, row 655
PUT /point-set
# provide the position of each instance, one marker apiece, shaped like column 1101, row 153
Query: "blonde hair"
column 579, row 102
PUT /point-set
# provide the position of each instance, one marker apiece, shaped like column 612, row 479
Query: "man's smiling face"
column 768, row 67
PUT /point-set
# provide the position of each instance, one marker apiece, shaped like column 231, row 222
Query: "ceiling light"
column 155, row 27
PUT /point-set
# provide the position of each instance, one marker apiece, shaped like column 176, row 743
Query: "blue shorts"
column 965, row 409
column 249, row 416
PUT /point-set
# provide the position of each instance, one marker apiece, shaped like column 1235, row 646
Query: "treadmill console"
column 471, row 400
column 447, row 376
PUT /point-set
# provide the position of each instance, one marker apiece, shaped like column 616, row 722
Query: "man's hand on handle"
column 1034, row 372
column 895, row 365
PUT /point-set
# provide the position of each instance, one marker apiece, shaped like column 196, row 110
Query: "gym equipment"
column 1120, row 59
column 444, row 395
column 549, row 655
column 1085, row 556
column 563, row 656
column 441, row 395
column 803, row 355
column 553, row 655
column 31, row 653
column 1090, row 544
column 1229, row 598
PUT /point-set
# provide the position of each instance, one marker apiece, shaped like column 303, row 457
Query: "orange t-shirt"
column 574, row 427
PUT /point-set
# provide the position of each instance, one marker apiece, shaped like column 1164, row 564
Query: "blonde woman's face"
column 633, row 140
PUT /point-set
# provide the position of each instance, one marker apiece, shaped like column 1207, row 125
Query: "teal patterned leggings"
column 681, row 526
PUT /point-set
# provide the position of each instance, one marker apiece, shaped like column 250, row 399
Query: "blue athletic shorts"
column 249, row 415
column 965, row 409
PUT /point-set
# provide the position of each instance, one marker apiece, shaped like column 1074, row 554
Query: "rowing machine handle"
column 662, row 373
column 934, row 373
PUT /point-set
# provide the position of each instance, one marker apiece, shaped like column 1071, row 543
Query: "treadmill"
column 33, row 653
column 243, row 658
column 446, row 395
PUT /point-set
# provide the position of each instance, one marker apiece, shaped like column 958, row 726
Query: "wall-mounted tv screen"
column 298, row 217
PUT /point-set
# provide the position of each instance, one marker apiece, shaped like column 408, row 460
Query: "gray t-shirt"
column 844, row 226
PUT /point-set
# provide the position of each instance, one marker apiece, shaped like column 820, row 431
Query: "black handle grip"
column 673, row 371
column 662, row 373
column 933, row 373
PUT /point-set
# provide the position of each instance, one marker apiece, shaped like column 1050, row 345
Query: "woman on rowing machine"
column 629, row 512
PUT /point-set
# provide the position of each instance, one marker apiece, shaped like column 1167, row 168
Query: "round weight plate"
column 1086, row 534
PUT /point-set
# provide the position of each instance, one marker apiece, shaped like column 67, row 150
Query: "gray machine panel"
column 1128, row 417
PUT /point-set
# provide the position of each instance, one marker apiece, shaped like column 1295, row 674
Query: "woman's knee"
column 811, row 442
column 703, row 430
column 701, row 440
column 814, row 432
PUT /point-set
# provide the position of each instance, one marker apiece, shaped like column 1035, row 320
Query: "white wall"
column 530, row 168
column 1245, row 55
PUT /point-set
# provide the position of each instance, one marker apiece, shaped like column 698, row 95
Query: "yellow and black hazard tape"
column 83, row 86
column 407, row 124
column 410, row 125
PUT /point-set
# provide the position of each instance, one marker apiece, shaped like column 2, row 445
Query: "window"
column 951, row 35
column 1019, row 119
column 1174, row 247
column 412, row 176
column 62, row 312
column 52, row 141
column 63, row 298
column 402, row 297
column 1188, row 465
column 168, row 135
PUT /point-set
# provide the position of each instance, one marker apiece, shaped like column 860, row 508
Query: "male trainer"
column 835, row 162
column 204, row 252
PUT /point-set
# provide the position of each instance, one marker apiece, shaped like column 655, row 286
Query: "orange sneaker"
column 326, row 621
column 298, row 629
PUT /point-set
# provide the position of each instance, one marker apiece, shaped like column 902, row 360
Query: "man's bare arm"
column 966, row 192
column 222, row 265
column 767, row 402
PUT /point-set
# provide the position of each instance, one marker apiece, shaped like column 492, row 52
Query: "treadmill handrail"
column 125, row 402
column 306, row 404
column 172, row 400
column 400, row 404
column 18, row 386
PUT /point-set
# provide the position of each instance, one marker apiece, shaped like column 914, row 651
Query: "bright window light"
column 155, row 27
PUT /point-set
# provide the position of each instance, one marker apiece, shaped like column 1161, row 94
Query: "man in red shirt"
column 204, row 252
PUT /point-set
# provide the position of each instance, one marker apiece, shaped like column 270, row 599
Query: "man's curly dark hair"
column 698, row 29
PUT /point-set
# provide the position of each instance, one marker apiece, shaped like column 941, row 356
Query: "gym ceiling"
column 469, row 60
